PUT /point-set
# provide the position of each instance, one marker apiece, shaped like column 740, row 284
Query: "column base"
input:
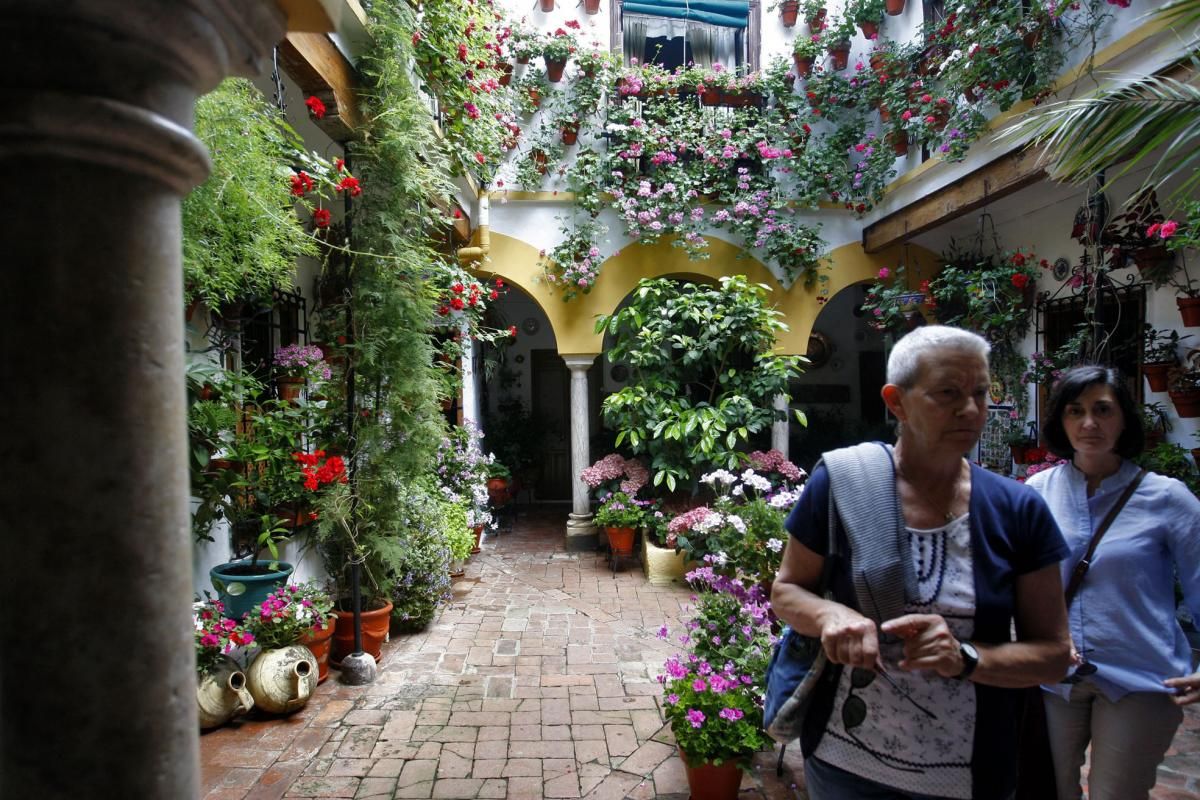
column 581, row 533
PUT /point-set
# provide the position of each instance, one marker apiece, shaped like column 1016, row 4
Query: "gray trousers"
column 1129, row 739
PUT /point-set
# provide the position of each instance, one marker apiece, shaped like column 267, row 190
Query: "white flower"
column 720, row 475
column 774, row 545
column 737, row 522
column 785, row 500
column 720, row 559
column 756, row 481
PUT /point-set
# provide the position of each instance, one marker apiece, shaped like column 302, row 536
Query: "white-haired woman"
column 980, row 553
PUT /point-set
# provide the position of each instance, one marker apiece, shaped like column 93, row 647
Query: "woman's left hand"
column 928, row 644
column 1187, row 689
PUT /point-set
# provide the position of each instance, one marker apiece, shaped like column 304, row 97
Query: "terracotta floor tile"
column 537, row 681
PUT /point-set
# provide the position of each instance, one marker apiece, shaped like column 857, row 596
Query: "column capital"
column 579, row 362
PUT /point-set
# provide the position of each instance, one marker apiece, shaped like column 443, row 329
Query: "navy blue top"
column 1012, row 533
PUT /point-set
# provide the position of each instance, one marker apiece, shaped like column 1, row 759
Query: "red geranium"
column 350, row 184
column 322, row 217
column 301, row 183
column 315, row 106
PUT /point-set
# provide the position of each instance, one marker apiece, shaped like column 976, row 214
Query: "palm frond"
column 1180, row 12
column 1123, row 125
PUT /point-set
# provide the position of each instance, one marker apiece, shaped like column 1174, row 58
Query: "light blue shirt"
column 1125, row 607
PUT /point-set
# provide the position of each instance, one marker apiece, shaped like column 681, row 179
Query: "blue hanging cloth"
column 726, row 13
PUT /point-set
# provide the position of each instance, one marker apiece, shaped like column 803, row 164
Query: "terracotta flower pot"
column 620, row 540
column 478, row 532
column 375, row 625
column 289, row 387
column 506, row 71
column 840, row 55
column 816, row 20
column 885, row 115
column 1189, row 310
column 1156, row 375
column 1187, row 404
column 803, row 66
column 319, row 643
column 899, row 142
column 554, row 70
column 869, row 28
column 788, row 11
column 570, row 134
column 591, row 6
column 710, row 782
column 546, row 5
column 539, row 158
column 894, row 8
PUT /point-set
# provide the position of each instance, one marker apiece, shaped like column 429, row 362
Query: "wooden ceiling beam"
column 320, row 69
column 1007, row 174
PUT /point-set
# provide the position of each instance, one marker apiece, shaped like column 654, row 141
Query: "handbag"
column 1035, row 767
column 798, row 666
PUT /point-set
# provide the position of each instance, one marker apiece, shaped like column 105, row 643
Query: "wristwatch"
column 970, row 659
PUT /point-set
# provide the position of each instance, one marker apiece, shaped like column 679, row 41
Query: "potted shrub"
column 707, row 428
column 459, row 538
column 525, row 43
column 663, row 561
column 221, row 690
column 1160, row 352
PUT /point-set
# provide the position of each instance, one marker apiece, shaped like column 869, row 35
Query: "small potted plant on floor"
column 284, row 674
column 459, row 538
column 221, row 692
column 620, row 517
column 713, row 695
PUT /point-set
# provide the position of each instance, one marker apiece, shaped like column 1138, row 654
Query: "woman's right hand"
column 849, row 638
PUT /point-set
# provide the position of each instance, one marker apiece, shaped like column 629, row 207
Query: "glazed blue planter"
column 241, row 586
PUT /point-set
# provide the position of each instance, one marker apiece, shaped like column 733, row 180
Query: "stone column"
column 97, row 683
column 581, row 533
column 779, row 430
column 470, row 389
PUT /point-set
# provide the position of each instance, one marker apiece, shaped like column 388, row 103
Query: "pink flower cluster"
column 773, row 461
column 632, row 474
column 1164, row 230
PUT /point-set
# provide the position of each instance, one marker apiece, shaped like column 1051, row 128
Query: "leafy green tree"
column 703, row 374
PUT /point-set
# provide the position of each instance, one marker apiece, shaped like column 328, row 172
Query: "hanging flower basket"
column 554, row 70
column 788, row 11
column 1189, row 310
column 1156, row 375
column 840, row 55
column 1187, row 403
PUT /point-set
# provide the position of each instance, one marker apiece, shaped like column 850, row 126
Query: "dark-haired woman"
column 1133, row 666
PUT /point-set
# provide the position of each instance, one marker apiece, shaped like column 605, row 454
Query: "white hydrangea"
column 720, row 476
column 756, row 481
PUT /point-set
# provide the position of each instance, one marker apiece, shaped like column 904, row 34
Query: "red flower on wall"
column 301, row 183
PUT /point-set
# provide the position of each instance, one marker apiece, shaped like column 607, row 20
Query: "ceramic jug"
column 282, row 680
column 222, row 694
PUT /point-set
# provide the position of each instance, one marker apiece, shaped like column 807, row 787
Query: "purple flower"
column 732, row 714
column 696, row 717
column 671, row 699
column 699, row 685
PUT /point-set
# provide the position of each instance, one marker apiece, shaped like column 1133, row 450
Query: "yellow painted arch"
column 573, row 323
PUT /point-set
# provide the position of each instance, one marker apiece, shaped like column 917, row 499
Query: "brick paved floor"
column 537, row 681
